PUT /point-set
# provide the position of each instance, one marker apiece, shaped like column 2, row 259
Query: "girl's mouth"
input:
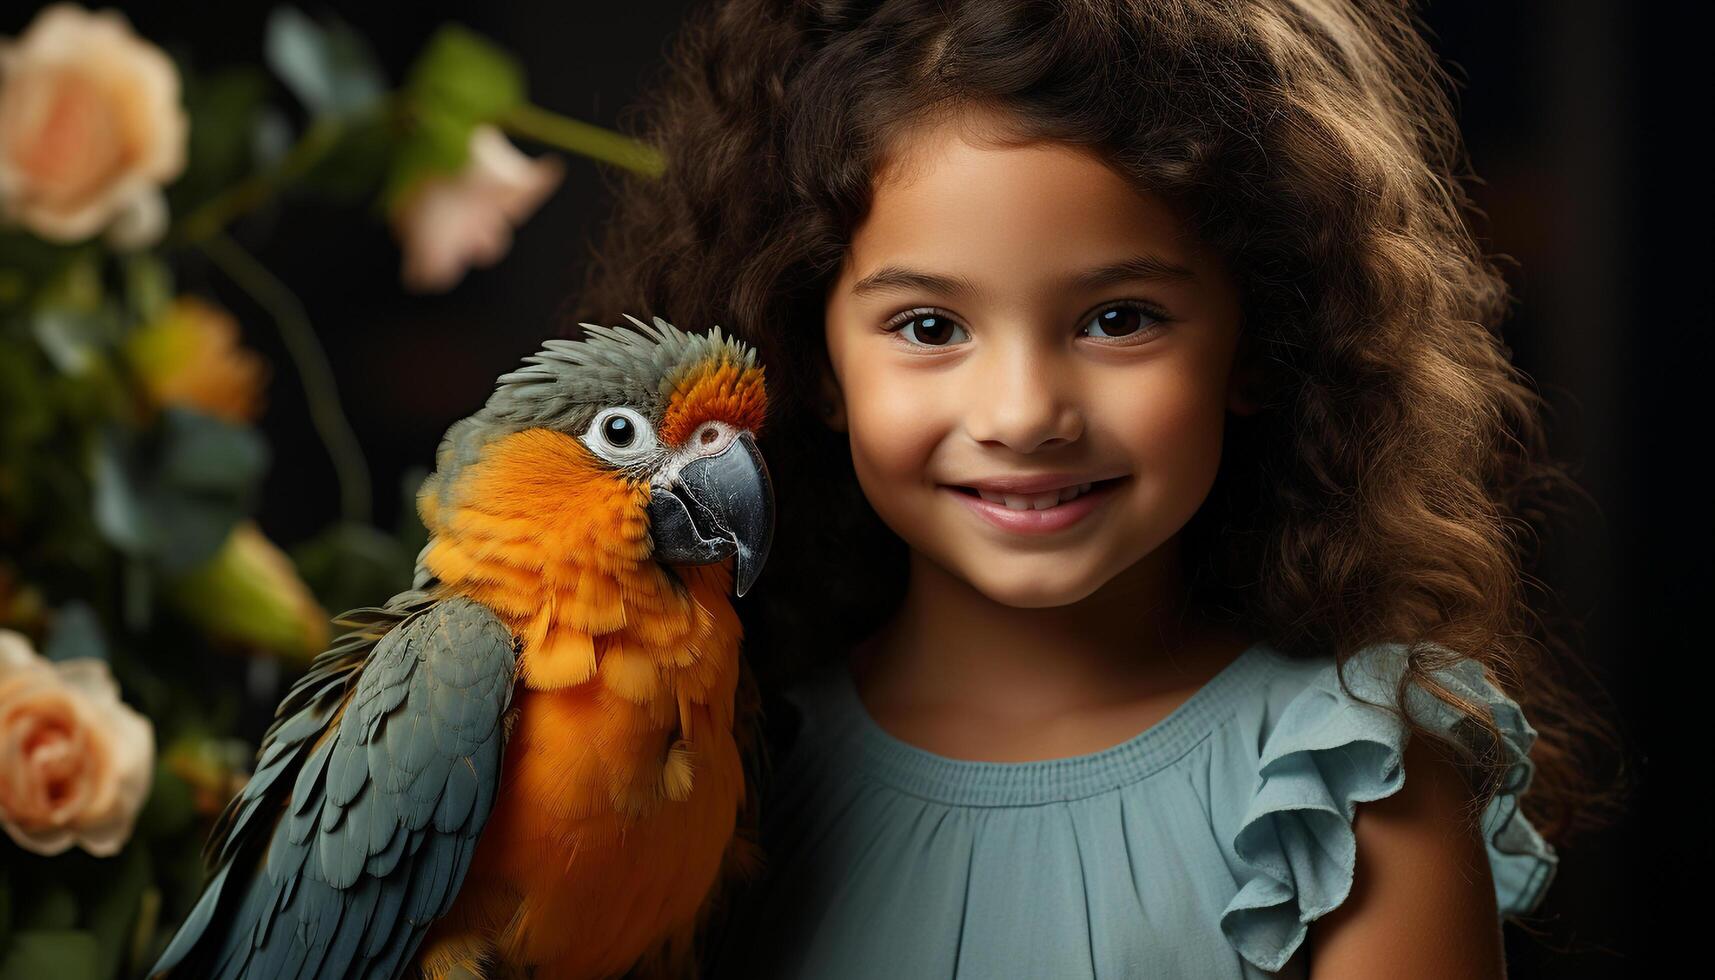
column 1037, row 513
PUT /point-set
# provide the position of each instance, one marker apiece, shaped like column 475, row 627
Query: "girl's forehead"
column 946, row 195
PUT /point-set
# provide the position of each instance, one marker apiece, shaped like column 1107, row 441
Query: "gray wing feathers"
column 388, row 798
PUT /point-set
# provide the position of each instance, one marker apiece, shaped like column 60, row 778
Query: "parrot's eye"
column 620, row 435
column 619, row 431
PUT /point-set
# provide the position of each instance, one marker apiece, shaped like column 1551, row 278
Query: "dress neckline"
column 977, row 783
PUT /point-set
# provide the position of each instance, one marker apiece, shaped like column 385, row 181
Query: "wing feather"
column 359, row 825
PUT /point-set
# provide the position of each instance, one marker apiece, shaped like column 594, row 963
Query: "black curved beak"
column 722, row 505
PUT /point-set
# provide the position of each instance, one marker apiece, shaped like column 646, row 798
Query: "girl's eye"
column 1125, row 320
column 933, row 328
column 930, row 327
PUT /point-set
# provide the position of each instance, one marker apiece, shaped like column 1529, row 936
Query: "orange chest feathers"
column 622, row 779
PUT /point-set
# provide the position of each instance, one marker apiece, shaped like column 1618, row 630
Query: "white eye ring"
column 606, row 433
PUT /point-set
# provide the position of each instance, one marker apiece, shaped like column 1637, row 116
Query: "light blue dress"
column 1201, row 848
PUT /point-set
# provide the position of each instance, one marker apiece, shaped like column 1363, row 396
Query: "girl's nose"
column 1018, row 395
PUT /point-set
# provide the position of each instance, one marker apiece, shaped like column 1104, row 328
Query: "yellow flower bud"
column 250, row 593
column 190, row 356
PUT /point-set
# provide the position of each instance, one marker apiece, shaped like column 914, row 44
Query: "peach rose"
column 75, row 762
column 446, row 224
column 90, row 128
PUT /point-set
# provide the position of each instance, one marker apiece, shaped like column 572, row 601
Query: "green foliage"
column 225, row 108
column 460, row 81
column 329, row 68
column 112, row 906
column 66, row 954
column 45, row 415
column 75, row 340
column 27, row 261
column 351, row 565
column 148, row 284
column 170, row 809
column 76, row 635
column 118, row 499
column 464, row 75
column 173, row 495
column 72, row 914
column 360, row 149
column 26, row 413
column 333, row 72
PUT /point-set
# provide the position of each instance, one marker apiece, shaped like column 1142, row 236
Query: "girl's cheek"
column 896, row 418
column 1173, row 430
column 895, row 421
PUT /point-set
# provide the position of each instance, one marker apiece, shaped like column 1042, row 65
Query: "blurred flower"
column 190, row 356
column 446, row 224
column 75, row 761
column 90, row 128
column 214, row 769
column 250, row 593
column 21, row 604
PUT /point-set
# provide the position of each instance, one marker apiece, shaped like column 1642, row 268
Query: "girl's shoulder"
column 1327, row 737
column 1253, row 782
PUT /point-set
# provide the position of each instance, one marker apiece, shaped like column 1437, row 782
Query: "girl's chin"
column 1022, row 580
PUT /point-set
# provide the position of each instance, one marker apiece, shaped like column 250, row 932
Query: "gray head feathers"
column 562, row 385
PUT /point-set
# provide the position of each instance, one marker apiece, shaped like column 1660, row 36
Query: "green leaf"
column 26, row 414
column 64, row 954
column 52, row 906
column 120, row 511
column 459, row 81
column 350, row 565
column 352, row 170
column 170, row 808
column 330, row 69
column 148, row 285
column 77, row 285
column 465, row 75
column 271, row 137
column 174, row 496
column 206, row 454
column 26, row 261
column 225, row 106
column 113, row 907
column 439, row 144
column 5, row 909
column 76, row 634
column 140, row 948
column 74, row 340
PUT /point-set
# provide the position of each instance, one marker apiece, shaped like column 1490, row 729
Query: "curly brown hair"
column 1389, row 490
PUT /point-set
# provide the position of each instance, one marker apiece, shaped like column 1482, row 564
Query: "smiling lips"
column 1008, row 505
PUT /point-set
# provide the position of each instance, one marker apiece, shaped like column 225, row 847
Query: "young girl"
column 1146, row 600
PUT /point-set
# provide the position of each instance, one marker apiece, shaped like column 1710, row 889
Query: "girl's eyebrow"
column 895, row 278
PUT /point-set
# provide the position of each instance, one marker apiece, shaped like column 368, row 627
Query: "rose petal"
column 76, row 762
column 449, row 224
column 140, row 222
column 91, row 127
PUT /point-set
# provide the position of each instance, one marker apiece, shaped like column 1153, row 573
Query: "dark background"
column 1582, row 120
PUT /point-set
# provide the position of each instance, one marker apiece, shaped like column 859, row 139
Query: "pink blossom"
column 447, row 224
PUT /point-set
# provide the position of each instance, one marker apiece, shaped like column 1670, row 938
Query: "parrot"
column 525, row 764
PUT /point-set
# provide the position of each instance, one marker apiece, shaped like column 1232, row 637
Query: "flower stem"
column 212, row 216
column 553, row 129
column 314, row 371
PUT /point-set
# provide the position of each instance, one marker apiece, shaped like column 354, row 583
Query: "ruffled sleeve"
column 1329, row 752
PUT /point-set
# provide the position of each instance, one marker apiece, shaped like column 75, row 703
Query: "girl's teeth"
column 1037, row 501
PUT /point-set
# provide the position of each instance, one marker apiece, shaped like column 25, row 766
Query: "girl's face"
column 1024, row 312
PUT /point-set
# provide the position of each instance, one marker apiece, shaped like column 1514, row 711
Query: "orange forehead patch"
column 717, row 389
